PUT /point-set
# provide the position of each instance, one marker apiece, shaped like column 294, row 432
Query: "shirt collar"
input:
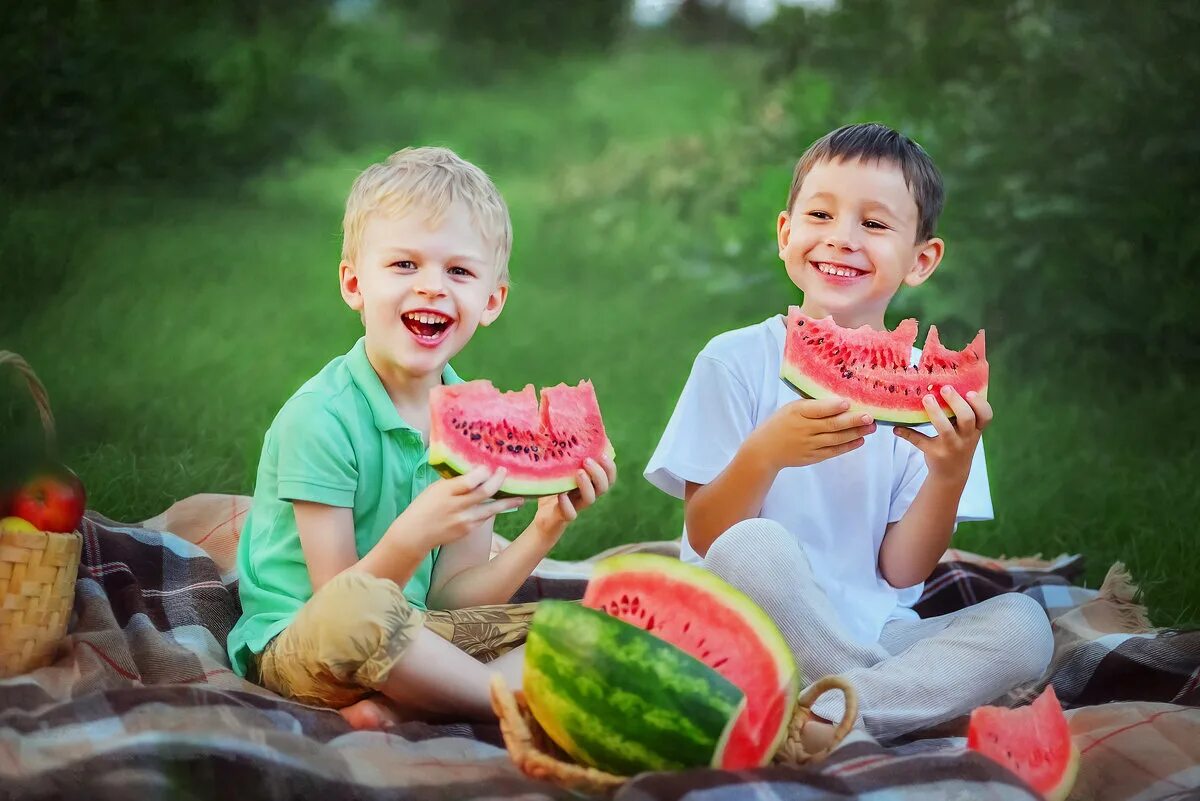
column 382, row 409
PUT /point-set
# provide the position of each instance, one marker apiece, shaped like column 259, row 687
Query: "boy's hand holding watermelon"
column 805, row 432
column 948, row 455
column 556, row 511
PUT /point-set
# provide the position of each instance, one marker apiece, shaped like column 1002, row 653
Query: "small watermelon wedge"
column 703, row 615
column 473, row 424
column 1033, row 741
column 872, row 368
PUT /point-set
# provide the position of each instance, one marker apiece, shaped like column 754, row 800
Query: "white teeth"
column 427, row 319
column 830, row 269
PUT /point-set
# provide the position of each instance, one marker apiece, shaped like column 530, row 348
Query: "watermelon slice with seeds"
column 872, row 369
column 703, row 615
column 1033, row 741
column 473, row 424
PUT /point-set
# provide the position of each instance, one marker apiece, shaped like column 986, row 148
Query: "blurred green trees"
column 1069, row 135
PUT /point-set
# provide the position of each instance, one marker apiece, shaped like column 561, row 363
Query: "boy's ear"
column 495, row 304
column 784, row 230
column 929, row 256
column 348, row 282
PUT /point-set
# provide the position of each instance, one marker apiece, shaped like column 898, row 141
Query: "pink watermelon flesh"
column 872, row 368
column 1034, row 742
column 474, row 424
column 699, row 613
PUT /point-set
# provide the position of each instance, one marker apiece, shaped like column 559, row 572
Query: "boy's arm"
column 464, row 576
column 913, row 545
column 327, row 539
column 802, row 433
column 736, row 494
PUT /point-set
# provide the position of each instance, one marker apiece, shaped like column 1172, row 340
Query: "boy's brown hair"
column 875, row 142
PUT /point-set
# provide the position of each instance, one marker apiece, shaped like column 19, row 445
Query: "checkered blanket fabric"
column 141, row 701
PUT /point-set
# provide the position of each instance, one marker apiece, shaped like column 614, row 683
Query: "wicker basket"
column 37, row 571
column 533, row 752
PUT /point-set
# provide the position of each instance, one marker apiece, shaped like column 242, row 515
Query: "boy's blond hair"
column 428, row 180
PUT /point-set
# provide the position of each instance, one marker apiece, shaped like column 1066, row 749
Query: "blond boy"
column 354, row 552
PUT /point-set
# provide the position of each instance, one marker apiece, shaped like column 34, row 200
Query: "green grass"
column 169, row 328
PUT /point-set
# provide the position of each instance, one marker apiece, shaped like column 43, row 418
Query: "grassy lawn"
column 169, row 329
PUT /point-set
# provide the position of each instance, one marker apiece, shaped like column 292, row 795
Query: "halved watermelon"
column 474, row 424
column 708, row 618
column 622, row 700
column 1033, row 741
column 872, row 369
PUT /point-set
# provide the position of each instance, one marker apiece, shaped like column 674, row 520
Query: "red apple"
column 53, row 499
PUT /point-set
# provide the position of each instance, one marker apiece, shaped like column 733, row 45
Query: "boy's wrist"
column 404, row 540
column 548, row 530
column 758, row 451
column 948, row 481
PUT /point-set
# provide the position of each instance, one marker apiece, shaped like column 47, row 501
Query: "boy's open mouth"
column 837, row 273
column 427, row 326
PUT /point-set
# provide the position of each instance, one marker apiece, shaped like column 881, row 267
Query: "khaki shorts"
column 343, row 643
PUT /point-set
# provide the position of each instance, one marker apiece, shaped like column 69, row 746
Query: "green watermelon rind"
column 1063, row 789
column 449, row 464
column 812, row 390
column 621, row 700
column 768, row 633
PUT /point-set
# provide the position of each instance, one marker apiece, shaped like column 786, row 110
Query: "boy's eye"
column 820, row 215
column 459, row 271
column 404, row 264
column 875, row 224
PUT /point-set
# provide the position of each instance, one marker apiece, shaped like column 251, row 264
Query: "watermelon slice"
column 474, row 424
column 1034, row 742
column 703, row 615
column 872, row 369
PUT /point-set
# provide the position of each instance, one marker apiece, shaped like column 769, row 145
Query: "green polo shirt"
column 338, row 441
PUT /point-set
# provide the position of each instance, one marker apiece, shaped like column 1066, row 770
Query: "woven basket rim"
column 521, row 733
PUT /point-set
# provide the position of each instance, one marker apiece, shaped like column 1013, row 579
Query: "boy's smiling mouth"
column 428, row 326
column 837, row 273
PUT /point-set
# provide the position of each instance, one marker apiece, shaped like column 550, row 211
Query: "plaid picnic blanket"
column 141, row 701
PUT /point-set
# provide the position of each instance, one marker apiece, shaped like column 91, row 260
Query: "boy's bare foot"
column 372, row 713
column 817, row 735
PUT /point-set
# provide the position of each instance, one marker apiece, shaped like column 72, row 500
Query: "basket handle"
column 40, row 398
column 792, row 750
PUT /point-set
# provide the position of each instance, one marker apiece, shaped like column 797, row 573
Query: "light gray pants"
column 920, row 673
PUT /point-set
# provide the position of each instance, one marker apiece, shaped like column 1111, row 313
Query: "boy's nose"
column 843, row 238
column 430, row 283
column 841, row 242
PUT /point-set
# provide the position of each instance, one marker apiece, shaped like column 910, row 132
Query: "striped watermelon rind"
column 619, row 699
column 701, row 613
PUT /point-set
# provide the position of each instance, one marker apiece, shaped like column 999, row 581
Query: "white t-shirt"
column 838, row 509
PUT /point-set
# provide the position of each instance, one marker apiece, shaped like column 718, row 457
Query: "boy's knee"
column 756, row 544
column 1024, row 625
column 344, row 641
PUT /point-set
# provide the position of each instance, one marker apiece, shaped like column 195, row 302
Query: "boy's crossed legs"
column 921, row 673
column 359, row 647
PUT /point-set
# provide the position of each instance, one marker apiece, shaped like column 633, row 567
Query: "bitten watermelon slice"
column 622, row 700
column 474, row 424
column 708, row 618
column 872, row 369
column 1033, row 742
